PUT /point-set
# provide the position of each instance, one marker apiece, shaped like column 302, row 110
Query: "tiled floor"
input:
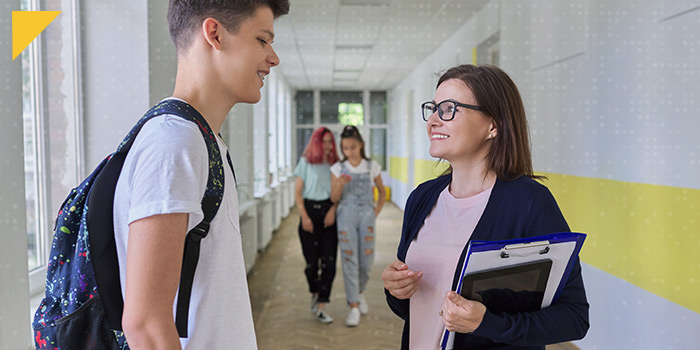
column 280, row 298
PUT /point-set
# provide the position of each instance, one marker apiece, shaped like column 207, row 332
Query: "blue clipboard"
column 551, row 256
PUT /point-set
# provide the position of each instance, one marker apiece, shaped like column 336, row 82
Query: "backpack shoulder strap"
column 213, row 195
column 215, row 183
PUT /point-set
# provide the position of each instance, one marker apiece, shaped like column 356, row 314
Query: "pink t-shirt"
column 436, row 252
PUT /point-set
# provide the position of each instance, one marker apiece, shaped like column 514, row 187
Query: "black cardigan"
column 516, row 209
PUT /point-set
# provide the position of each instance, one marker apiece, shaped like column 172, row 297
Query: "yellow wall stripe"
column 427, row 169
column 647, row 235
column 423, row 170
column 398, row 168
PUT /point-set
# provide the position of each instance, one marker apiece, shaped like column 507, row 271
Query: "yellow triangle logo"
column 26, row 26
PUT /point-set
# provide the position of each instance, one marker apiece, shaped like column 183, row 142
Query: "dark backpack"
column 83, row 305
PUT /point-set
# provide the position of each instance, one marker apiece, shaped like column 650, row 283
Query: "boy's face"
column 247, row 56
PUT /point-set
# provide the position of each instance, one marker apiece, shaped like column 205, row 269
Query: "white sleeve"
column 168, row 168
column 374, row 169
column 335, row 169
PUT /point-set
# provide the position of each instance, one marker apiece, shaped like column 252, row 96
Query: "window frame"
column 40, row 134
column 365, row 129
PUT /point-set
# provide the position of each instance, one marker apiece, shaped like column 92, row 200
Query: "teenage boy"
column 224, row 53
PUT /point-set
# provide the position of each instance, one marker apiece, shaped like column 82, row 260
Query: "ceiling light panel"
column 355, row 62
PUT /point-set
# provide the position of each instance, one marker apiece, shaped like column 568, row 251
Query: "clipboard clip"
column 512, row 247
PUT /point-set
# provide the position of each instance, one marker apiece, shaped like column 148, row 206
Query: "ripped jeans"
column 356, row 241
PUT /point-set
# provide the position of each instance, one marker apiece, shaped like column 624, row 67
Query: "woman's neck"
column 470, row 181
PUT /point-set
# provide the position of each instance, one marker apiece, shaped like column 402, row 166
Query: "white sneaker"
column 314, row 303
column 362, row 305
column 353, row 318
column 322, row 316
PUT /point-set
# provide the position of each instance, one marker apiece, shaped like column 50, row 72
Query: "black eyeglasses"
column 445, row 109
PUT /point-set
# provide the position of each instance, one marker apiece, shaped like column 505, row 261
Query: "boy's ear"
column 212, row 31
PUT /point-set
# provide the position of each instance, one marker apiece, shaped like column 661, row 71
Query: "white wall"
column 456, row 49
column 115, row 73
column 162, row 56
column 14, row 288
column 634, row 86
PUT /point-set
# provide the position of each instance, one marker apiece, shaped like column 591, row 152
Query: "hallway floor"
column 280, row 297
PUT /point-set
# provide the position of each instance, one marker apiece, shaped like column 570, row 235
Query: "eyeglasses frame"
column 437, row 109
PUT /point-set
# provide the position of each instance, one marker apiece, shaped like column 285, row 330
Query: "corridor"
column 280, row 299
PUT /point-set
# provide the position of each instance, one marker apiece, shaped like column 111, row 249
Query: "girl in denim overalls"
column 352, row 189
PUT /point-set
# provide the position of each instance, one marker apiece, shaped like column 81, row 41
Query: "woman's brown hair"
column 510, row 155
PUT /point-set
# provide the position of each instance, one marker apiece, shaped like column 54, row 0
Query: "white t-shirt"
column 372, row 167
column 166, row 171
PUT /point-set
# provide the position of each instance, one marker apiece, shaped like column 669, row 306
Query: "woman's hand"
column 400, row 281
column 461, row 315
column 329, row 219
column 307, row 224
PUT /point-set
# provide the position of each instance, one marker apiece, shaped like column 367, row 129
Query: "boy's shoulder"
column 169, row 134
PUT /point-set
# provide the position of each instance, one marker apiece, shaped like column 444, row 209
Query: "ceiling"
column 363, row 44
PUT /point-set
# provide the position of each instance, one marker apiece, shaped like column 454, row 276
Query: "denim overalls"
column 355, row 219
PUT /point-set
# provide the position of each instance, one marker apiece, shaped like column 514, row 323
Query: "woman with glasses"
column 476, row 123
column 317, row 229
column 352, row 180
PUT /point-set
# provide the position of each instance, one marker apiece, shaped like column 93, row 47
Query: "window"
column 378, row 146
column 377, row 117
column 340, row 108
column 331, row 102
column 377, row 107
column 303, row 137
column 305, row 107
column 282, row 126
column 34, row 231
column 271, row 119
column 272, row 131
column 278, row 116
column 52, row 124
column 260, row 137
column 304, row 101
column 351, row 114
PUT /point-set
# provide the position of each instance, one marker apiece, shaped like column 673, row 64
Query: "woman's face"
column 351, row 148
column 327, row 144
column 464, row 138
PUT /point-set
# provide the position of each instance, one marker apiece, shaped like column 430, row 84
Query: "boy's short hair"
column 185, row 16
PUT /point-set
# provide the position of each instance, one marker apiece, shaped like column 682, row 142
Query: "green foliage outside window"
column 351, row 114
